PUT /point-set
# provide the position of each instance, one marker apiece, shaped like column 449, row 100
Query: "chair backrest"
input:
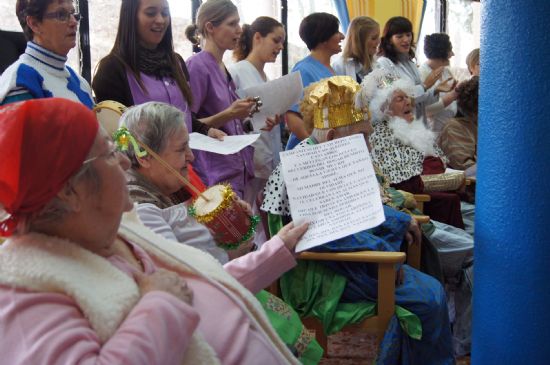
column 13, row 45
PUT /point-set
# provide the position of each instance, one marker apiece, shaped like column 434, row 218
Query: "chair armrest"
column 378, row 257
column 420, row 200
column 421, row 219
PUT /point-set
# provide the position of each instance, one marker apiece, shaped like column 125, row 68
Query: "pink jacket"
column 49, row 328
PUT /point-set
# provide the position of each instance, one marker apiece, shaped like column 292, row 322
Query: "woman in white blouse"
column 396, row 54
column 260, row 43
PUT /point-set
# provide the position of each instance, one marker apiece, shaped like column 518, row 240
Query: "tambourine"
column 108, row 113
column 229, row 223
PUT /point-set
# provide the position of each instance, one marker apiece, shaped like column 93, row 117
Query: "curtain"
column 382, row 10
column 343, row 15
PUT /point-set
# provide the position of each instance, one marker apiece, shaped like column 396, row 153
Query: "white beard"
column 414, row 134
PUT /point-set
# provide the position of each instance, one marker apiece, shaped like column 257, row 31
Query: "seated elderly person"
column 351, row 284
column 152, row 186
column 77, row 286
column 403, row 147
column 459, row 137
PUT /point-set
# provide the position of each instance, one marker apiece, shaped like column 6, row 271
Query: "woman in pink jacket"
column 77, row 286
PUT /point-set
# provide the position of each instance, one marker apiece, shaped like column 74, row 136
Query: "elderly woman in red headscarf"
column 77, row 286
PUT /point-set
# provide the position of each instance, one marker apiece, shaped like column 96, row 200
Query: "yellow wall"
column 382, row 10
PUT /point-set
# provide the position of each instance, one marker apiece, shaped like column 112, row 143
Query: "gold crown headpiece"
column 333, row 102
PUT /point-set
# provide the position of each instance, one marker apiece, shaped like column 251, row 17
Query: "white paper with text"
column 333, row 186
column 277, row 97
column 229, row 145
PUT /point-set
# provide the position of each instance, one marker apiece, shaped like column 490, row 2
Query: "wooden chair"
column 377, row 324
column 420, row 200
column 386, row 262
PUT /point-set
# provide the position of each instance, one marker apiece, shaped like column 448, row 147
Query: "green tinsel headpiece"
column 123, row 138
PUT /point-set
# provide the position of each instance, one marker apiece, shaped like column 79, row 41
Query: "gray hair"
column 151, row 123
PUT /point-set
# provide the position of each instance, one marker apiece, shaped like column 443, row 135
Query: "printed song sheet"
column 333, row 186
column 277, row 97
column 229, row 145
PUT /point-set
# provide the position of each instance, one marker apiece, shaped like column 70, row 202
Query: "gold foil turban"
column 331, row 103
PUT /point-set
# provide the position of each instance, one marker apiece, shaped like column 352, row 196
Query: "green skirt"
column 288, row 325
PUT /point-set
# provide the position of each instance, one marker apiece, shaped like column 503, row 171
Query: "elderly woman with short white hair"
column 77, row 286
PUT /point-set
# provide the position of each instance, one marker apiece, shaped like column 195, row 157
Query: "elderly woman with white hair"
column 404, row 148
column 152, row 187
column 77, row 286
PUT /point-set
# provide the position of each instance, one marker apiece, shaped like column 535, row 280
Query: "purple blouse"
column 165, row 90
column 214, row 92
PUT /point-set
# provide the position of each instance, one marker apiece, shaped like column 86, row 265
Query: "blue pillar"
column 512, row 254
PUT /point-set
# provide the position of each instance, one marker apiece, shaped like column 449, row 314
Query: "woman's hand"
column 291, row 234
column 446, row 86
column 270, row 123
column 241, row 108
column 166, row 281
column 413, row 235
column 433, row 77
column 216, row 133
column 245, row 206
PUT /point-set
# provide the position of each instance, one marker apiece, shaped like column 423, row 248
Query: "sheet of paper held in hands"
column 229, row 145
column 277, row 97
column 333, row 186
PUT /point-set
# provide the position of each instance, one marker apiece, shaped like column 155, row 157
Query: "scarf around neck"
column 154, row 62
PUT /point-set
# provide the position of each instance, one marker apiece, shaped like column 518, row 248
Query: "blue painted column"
column 512, row 253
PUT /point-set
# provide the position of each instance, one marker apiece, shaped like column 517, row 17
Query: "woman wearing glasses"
column 41, row 72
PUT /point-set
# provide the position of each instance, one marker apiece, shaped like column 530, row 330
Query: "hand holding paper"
column 333, row 186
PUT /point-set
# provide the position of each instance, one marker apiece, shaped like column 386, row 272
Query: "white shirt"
column 174, row 223
column 268, row 146
column 437, row 113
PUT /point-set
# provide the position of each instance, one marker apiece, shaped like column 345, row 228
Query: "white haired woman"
column 76, row 286
column 152, row 187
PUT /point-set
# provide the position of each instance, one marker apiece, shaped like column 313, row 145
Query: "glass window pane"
column 463, row 27
column 9, row 19
column 249, row 10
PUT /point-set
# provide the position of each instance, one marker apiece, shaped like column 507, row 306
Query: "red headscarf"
column 43, row 142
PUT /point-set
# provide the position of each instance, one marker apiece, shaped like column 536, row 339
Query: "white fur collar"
column 48, row 264
column 414, row 134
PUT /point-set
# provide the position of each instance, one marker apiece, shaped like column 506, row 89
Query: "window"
column 249, row 10
column 463, row 27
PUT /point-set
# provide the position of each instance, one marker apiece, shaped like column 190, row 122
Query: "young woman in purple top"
column 142, row 66
column 214, row 97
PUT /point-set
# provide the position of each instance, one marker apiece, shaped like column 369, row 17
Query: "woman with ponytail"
column 260, row 43
column 217, row 29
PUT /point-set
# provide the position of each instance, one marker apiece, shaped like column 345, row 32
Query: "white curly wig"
column 377, row 90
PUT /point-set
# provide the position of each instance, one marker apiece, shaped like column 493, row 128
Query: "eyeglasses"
column 110, row 156
column 63, row 15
